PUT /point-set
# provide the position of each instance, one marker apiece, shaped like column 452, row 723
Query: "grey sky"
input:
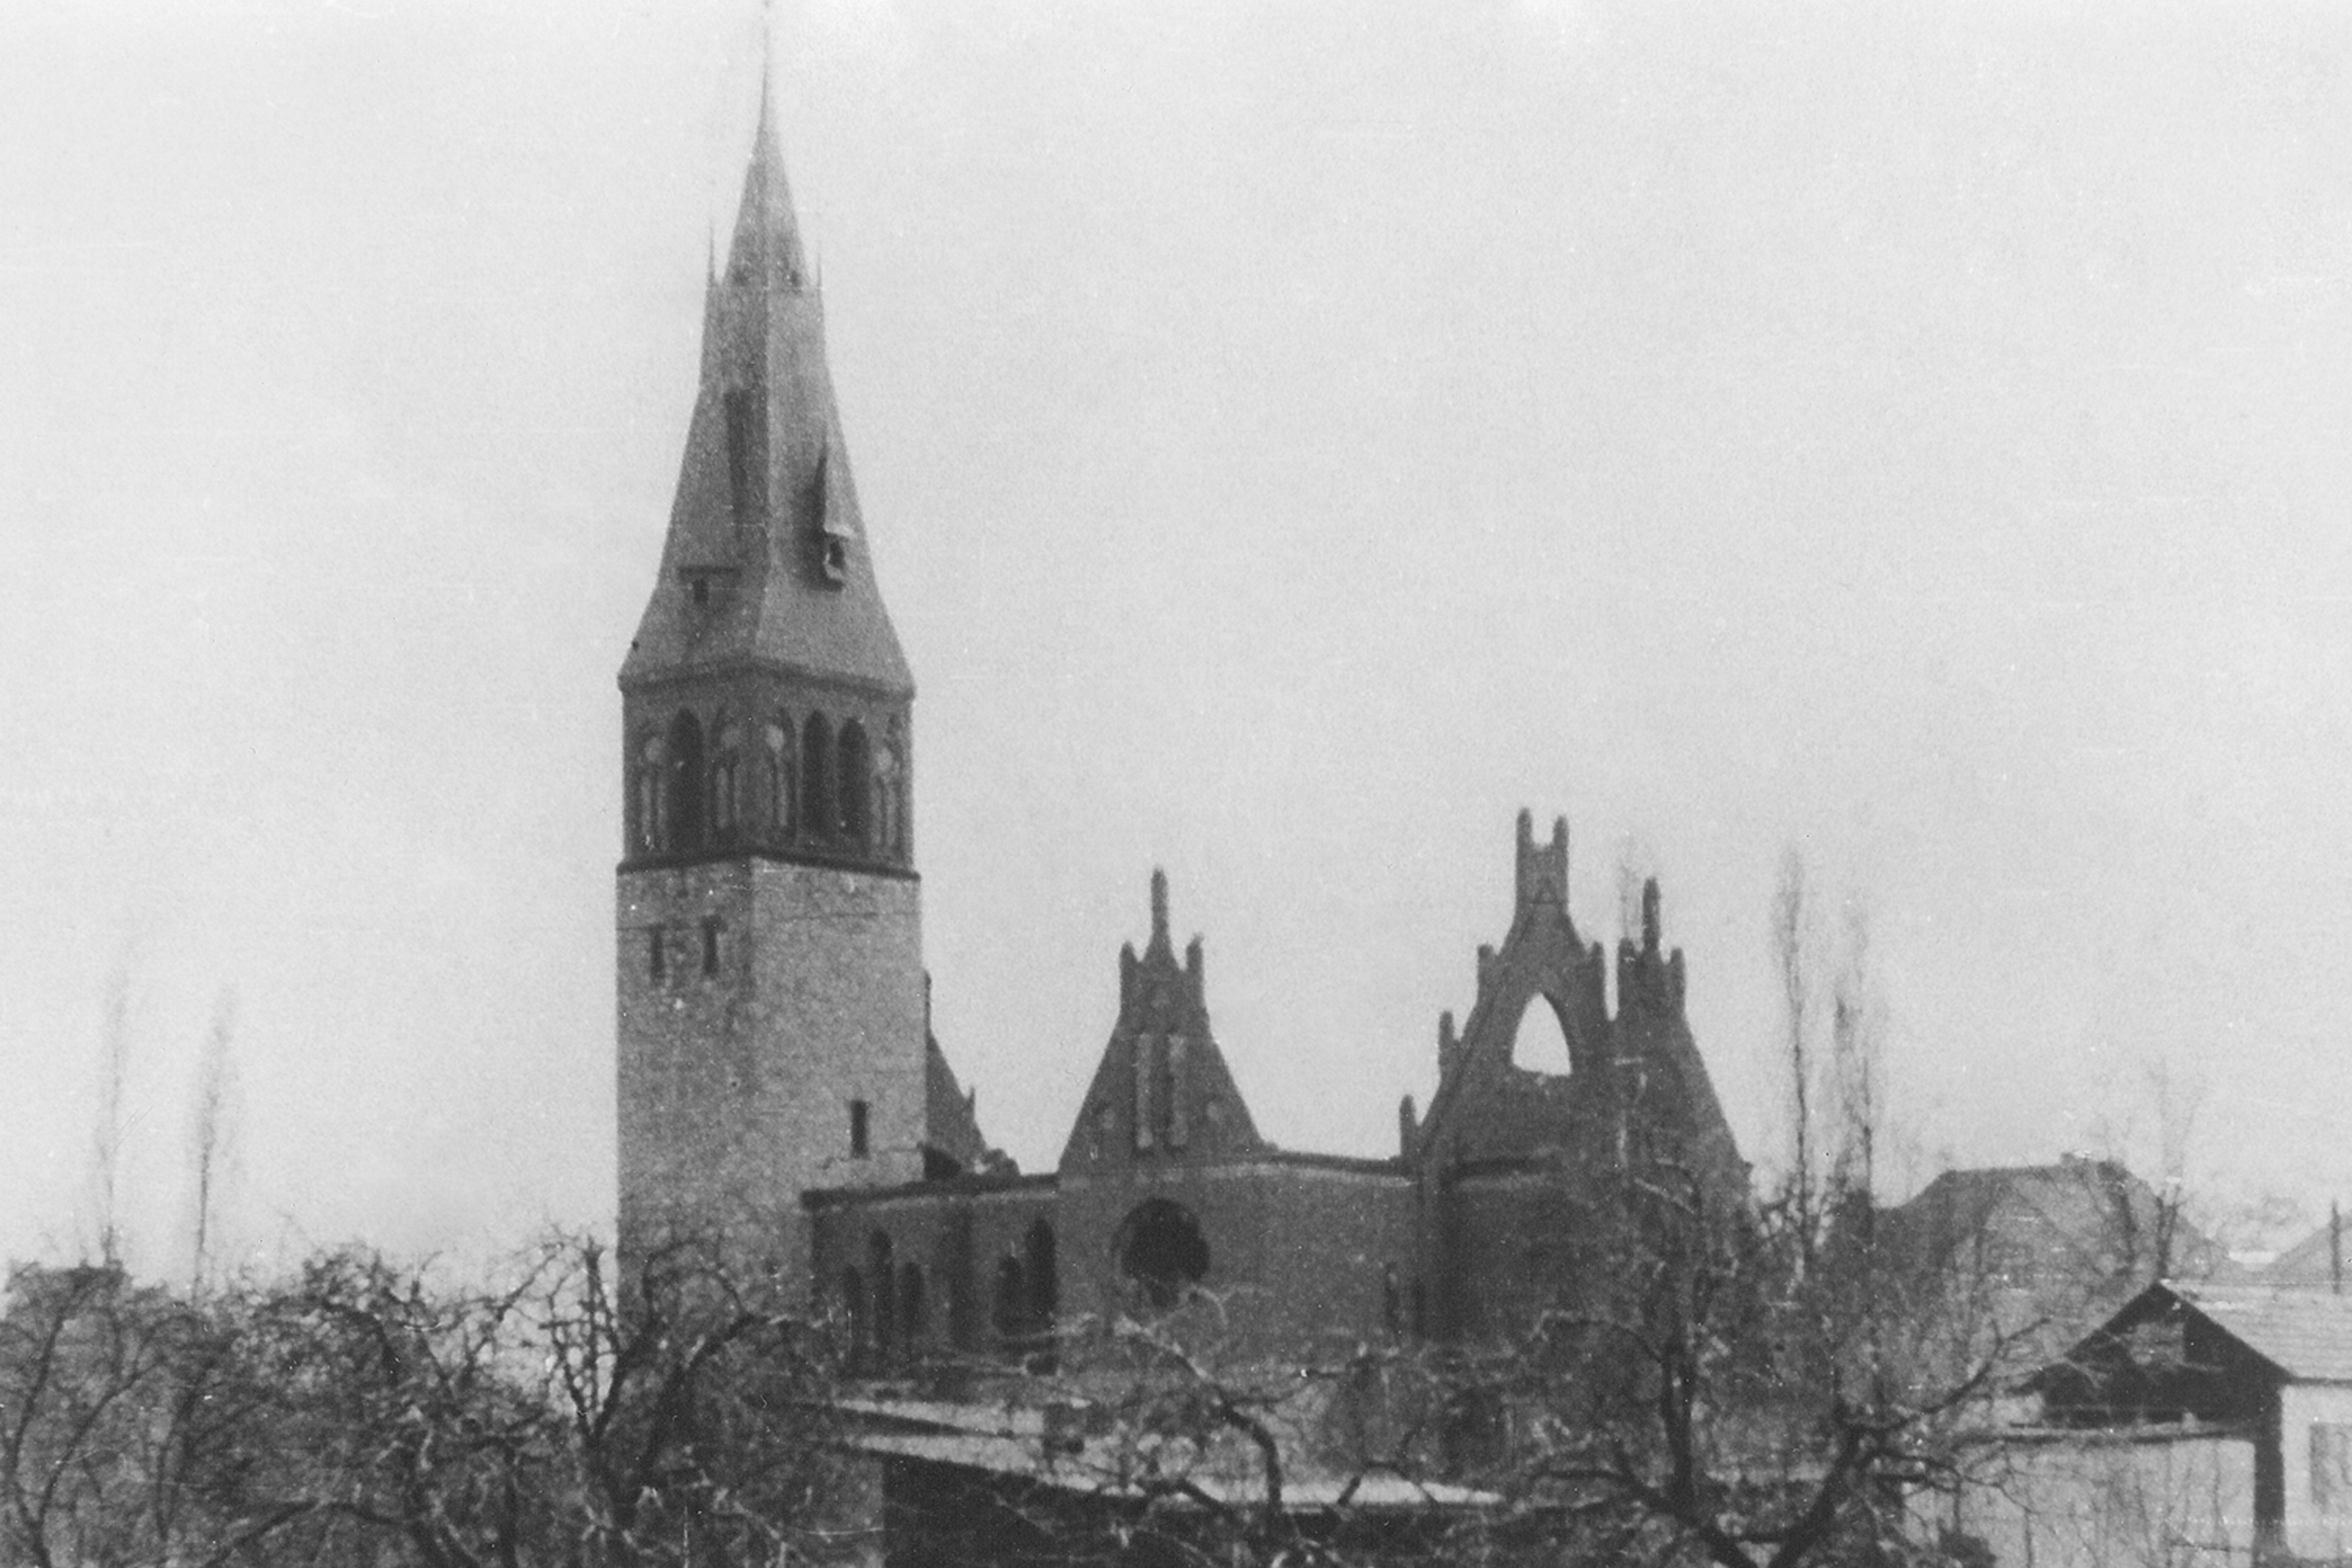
column 1293, row 436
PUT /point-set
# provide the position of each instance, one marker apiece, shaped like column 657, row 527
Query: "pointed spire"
column 767, row 242
column 1159, row 908
column 766, row 501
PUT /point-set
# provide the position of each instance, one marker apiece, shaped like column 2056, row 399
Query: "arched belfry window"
column 684, row 797
column 727, row 782
column 857, row 783
column 777, row 750
column 816, row 776
column 650, row 828
column 890, row 790
column 1161, row 1248
column 1541, row 1044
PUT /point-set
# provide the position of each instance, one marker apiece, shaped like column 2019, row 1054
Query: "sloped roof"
column 2307, row 1334
column 2310, row 1261
column 2082, row 1216
column 951, row 1122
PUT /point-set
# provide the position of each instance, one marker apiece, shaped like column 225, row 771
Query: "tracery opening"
column 1541, row 1045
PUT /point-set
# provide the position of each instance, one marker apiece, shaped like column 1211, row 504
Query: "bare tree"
column 113, row 1076
column 694, row 1408
column 1792, row 961
column 210, row 1134
column 128, row 1424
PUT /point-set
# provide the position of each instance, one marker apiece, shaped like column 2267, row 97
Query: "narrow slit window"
column 710, row 945
column 858, row 1140
column 654, row 953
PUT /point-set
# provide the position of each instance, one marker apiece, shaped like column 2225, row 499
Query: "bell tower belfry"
column 772, row 1029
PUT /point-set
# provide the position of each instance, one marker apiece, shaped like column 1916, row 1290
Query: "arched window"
column 913, row 1311
column 889, row 792
column 816, row 776
column 1391, row 1300
column 1045, row 1279
column 777, row 746
column 1011, row 1300
column 1540, row 1044
column 853, row 1312
column 1159, row 1246
column 885, row 1303
column 684, row 797
column 727, row 782
column 649, row 832
column 855, row 794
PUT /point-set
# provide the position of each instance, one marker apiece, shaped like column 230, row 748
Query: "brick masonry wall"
column 735, row 1087
column 958, row 1235
column 1300, row 1247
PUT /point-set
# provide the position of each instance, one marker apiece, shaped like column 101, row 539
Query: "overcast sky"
column 1293, row 436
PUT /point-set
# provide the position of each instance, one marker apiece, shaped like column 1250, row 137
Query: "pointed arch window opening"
column 1539, row 1043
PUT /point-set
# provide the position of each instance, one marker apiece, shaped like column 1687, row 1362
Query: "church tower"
column 772, row 1016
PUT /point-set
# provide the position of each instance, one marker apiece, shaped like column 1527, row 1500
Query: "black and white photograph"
column 1242, row 783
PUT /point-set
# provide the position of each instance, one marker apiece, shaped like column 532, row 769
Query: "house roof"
column 2310, row 1261
column 2307, row 1334
column 2080, row 1220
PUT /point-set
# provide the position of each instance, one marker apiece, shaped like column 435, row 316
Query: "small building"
column 2217, row 1421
